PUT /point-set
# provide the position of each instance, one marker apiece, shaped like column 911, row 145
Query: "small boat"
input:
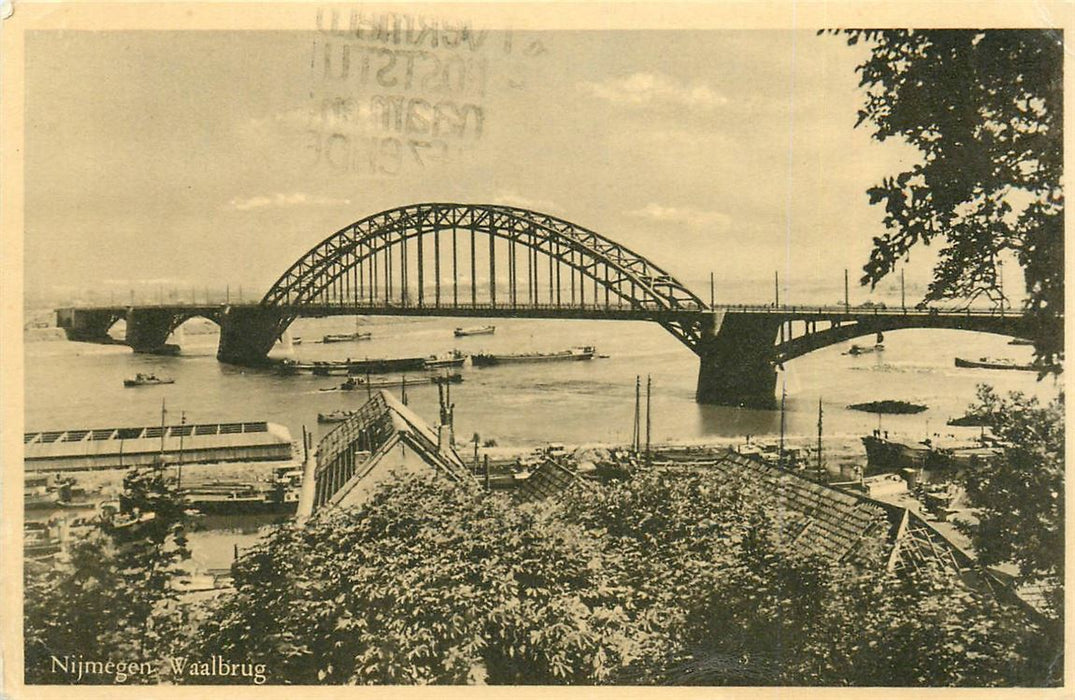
column 479, row 330
column 345, row 337
column 580, row 353
column 888, row 406
column 452, row 359
column 972, row 420
column 147, row 379
column 337, row 416
column 356, row 383
column 864, row 349
column 878, row 346
column 991, row 363
column 1020, row 341
column 297, row 340
column 281, row 496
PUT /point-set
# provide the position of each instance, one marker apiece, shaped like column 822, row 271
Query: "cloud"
column 697, row 219
column 512, row 199
column 644, row 89
column 281, row 201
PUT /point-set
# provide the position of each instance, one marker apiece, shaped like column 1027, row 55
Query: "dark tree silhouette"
column 985, row 109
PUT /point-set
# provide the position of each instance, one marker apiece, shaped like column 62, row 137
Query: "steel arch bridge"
column 486, row 260
column 483, row 259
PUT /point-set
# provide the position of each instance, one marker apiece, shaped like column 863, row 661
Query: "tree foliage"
column 110, row 595
column 663, row 578
column 1020, row 496
column 985, row 110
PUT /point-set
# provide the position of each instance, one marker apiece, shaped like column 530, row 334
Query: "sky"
column 195, row 159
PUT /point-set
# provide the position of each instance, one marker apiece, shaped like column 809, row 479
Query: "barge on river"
column 344, row 367
column 487, row 360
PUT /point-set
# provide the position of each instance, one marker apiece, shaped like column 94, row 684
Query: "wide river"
column 79, row 385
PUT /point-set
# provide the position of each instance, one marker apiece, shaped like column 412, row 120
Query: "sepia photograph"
column 706, row 344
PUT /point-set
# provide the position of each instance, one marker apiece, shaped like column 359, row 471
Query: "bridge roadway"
column 739, row 345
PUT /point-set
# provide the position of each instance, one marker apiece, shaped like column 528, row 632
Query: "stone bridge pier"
column 247, row 334
column 87, row 325
column 148, row 329
column 736, row 360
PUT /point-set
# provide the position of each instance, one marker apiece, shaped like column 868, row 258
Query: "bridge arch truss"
column 482, row 257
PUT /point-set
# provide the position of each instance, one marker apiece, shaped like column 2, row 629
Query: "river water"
column 79, row 385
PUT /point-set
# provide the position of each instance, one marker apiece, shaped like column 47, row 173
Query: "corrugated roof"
column 352, row 450
column 818, row 518
column 550, row 478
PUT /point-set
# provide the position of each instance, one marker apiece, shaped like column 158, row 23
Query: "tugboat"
column 580, row 353
column 452, row 359
column 146, row 379
column 480, row 330
column 878, row 346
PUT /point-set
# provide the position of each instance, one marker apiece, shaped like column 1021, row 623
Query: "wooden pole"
column 847, row 296
column 819, row 418
column 649, row 422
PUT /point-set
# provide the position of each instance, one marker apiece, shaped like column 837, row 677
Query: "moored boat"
column 146, row 379
column 572, row 354
column 884, row 455
column 326, row 368
column 992, row 363
column 337, row 416
column 356, row 383
column 345, row 337
column 478, row 330
column 452, row 359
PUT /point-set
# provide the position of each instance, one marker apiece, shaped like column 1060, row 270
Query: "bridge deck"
column 577, row 311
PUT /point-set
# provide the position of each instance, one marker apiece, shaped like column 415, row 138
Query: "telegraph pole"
column 649, row 423
column 712, row 291
column 903, row 293
column 847, row 296
column 776, row 286
column 636, row 437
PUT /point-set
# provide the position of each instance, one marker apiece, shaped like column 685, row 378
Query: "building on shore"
column 118, row 448
column 382, row 439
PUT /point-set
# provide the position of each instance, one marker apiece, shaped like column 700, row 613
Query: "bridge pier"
column 247, row 334
column 87, row 325
column 148, row 329
column 736, row 367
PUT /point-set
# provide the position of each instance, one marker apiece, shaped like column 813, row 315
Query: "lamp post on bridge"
column 903, row 293
column 847, row 295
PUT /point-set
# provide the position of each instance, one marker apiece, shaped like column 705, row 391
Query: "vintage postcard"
column 694, row 348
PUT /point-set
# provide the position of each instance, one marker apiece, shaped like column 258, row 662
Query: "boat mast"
column 783, row 397
column 819, row 424
column 164, row 412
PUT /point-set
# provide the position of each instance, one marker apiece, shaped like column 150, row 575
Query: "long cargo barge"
column 325, row 368
column 573, row 354
column 191, row 443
